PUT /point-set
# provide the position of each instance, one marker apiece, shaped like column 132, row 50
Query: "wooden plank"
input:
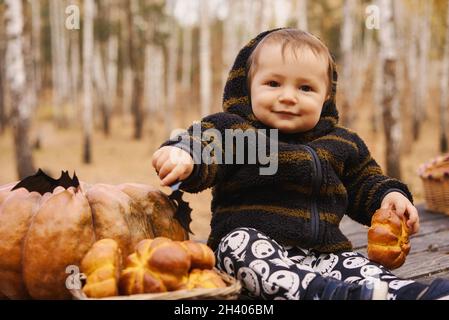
column 438, row 240
column 422, row 264
column 429, row 278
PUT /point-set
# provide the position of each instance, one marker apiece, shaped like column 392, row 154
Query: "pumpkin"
column 47, row 225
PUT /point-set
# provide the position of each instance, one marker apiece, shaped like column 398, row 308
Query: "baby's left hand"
column 402, row 206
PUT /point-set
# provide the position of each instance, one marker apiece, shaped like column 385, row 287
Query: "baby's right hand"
column 172, row 164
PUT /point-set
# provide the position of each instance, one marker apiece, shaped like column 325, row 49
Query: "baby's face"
column 288, row 92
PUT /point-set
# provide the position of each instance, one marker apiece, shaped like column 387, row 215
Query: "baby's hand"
column 402, row 206
column 172, row 164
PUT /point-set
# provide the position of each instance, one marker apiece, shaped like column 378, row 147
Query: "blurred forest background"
column 95, row 86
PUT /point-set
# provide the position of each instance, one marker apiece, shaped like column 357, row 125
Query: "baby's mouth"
column 287, row 113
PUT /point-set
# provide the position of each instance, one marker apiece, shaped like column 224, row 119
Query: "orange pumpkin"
column 47, row 225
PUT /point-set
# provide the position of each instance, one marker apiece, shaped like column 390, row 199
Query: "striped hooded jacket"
column 322, row 174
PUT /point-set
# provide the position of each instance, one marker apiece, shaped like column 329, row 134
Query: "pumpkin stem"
column 42, row 183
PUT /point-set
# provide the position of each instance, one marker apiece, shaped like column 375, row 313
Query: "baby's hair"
column 295, row 39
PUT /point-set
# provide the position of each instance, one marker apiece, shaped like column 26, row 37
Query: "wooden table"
column 429, row 254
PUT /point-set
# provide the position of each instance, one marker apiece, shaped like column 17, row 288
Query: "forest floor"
column 119, row 158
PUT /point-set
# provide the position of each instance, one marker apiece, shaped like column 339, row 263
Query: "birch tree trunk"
column 205, row 62
column 16, row 77
column 75, row 68
column 402, row 21
column 112, row 71
column 186, row 79
column 302, row 15
column 2, row 85
column 412, row 71
column 100, row 82
column 172, row 68
column 265, row 15
column 378, row 88
column 391, row 112
column 347, row 49
column 156, row 84
column 36, row 41
column 444, row 85
column 230, row 44
column 88, row 51
column 422, row 83
column 127, row 78
column 133, row 46
column 59, row 61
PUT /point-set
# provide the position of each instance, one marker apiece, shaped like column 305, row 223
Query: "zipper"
column 317, row 178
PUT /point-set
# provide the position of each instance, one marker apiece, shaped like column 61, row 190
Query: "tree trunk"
column 102, row 89
column 88, row 51
column 424, row 46
column 265, row 15
column 172, row 67
column 133, row 46
column 281, row 12
column 347, row 49
column 112, row 71
column 127, row 75
column 36, row 41
column 2, row 91
column 16, row 77
column 205, row 62
column 391, row 112
column 421, row 81
column 156, row 83
column 444, row 96
column 186, row 79
column 136, row 65
column 412, row 72
column 400, row 15
column 75, row 69
column 59, row 61
column 230, row 44
column 302, row 15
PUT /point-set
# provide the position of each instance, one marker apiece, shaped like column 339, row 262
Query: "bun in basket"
column 158, row 265
column 205, row 279
column 388, row 238
column 201, row 256
column 101, row 265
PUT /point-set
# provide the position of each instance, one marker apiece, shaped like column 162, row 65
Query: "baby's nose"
column 288, row 97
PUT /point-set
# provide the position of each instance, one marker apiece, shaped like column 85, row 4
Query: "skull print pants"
column 268, row 270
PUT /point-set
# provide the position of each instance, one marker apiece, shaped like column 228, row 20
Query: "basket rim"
column 425, row 168
column 231, row 290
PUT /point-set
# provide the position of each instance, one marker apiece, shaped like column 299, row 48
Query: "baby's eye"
column 305, row 88
column 273, row 84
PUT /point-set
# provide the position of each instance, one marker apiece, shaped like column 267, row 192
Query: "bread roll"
column 101, row 265
column 201, row 256
column 158, row 265
column 207, row 279
column 388, row 238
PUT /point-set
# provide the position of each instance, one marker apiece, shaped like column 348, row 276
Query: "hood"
column 236, row 97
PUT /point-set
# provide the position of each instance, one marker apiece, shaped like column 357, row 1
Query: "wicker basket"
column 435, row 177
column 231, row 292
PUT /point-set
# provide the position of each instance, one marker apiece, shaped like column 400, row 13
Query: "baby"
column 279, row 232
